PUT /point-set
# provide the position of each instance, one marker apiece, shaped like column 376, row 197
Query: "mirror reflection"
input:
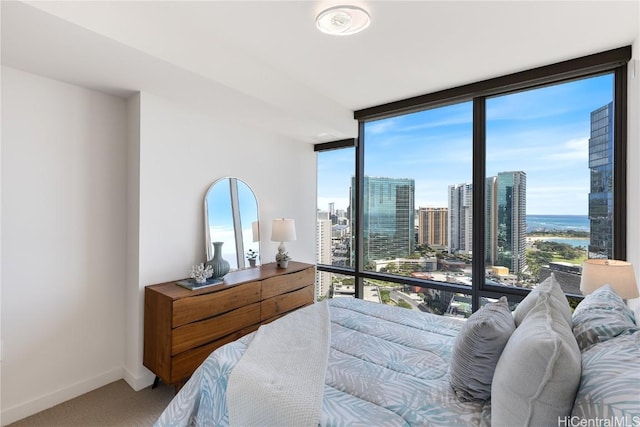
column 231, row 217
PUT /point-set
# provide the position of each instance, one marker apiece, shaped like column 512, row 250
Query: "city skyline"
column 543, row 132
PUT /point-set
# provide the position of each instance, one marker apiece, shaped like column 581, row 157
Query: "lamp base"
column 282, row 264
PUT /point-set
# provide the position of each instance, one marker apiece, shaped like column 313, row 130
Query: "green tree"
column 402, row 303
column 384, row 296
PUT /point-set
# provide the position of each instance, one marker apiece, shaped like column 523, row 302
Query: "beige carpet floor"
column 115, row 404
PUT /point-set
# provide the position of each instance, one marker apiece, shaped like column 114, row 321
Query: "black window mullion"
column 333, row 145
column 478, row 220
column 620, row 164
column 358, row 227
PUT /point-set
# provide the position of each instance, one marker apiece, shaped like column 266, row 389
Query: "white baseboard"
column 23, row 410
column 138, row 382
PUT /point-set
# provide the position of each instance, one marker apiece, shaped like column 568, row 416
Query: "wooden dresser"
column 182, row 327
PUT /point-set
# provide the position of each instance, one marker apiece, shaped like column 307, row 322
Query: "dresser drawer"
column 185, row 363
column 274, row 307
column 287, row 282
column 192, row 309
column 199, row 333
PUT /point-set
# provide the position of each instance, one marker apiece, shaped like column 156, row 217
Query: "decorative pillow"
column 477, row 349
column 538, row 374
column 610, row 387
column 600, row 316
column 551, row 287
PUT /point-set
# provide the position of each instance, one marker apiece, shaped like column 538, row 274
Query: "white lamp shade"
column 617, row 274
column 255, row 231
column 283, row 230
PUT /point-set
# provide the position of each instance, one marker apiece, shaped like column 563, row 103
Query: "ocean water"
column 573, row 242
column 557, row 222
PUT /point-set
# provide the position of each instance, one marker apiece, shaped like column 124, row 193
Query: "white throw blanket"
column 280, row 379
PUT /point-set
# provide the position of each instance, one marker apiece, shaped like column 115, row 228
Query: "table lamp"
column 617, row 274
column 283, row 230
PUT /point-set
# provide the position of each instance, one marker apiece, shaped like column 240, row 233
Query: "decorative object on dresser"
column 252, row 257
column 218, row 265
column 283, row 230
column 200, row 273
column 182, row 327
column 230, row 205
column 200, row 278
column 282, row 259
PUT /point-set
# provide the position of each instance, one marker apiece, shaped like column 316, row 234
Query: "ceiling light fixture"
column 342, row 20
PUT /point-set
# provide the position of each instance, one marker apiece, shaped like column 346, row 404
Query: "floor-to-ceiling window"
column 335, row 170
column 453, row 198
column 544, row 146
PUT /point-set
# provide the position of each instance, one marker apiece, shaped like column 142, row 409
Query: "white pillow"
column 549, row 286
column 538, row 373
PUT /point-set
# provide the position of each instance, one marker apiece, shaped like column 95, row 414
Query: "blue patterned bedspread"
column 387, row 367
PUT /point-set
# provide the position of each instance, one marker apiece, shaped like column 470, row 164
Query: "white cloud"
column 380, row 127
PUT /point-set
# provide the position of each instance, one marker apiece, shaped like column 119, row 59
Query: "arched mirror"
column 231, row 217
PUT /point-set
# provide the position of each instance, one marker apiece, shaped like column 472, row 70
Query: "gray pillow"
column 551, row 287
column 538, row 374
column 477, row 349
column 601, row 316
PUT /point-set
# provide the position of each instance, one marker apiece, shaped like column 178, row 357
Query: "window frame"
column 611, row 61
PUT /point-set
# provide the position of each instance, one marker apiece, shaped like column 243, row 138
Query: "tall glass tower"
column 460, row 210
column 511, row 227
column 491, row 223
column 601, row 193
column 389, row 217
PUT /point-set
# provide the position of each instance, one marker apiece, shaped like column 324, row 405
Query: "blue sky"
column 544, row 132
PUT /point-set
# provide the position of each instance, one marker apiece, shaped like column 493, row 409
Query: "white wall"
column 132, row 294
column 182, row 152
column 63, row 242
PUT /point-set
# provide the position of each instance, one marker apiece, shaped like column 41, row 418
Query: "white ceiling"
column 263, row 63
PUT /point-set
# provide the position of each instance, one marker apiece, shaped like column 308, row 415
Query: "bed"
column 387, row 366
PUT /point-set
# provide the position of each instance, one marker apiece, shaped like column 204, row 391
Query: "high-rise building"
column 460, row 212
column 506, row 221
column 601, row 191
column 320, row 215
column 323, row 255
column 388, row 217
column 432, row 226
column 511, row 227
column 491, row 222
column 332, row 213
